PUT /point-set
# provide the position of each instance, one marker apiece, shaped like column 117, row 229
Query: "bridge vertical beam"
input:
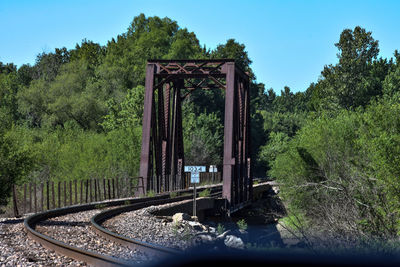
column 147, row 125
column 180, row 159
column 248, row 143
column 229, row 160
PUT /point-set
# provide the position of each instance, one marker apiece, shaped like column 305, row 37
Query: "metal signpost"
column 195, row 179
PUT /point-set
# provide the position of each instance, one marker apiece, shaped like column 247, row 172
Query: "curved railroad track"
column 151, row 248
column 59, row 241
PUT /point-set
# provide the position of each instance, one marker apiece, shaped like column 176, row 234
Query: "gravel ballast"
column 74, row 229
column 16, row 249
column 144, row 226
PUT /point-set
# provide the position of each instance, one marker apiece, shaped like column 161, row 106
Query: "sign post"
column 195, row 179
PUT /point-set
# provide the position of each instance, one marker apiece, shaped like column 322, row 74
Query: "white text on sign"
column 194, row 173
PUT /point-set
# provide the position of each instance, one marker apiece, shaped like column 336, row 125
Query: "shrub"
column 339, row 176
column 242, row 224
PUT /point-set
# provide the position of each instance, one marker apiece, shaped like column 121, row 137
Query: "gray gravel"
column 16, row 249
column 144, row 226
column 75, row 229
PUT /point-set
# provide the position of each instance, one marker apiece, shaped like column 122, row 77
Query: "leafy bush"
column 340, row 175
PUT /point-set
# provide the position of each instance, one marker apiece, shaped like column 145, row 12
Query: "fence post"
column 95, row 189
column 90, row 191
column 65, row 193
column 53, row 195
column 117, row 187
column 113, row 187
column 16, row 213
column 98, row 188
column 30, row 197
column 109, row 192
column 87, row 191
column 59, row 194
column 76, row 191
column 81, row 196
column 35, row 197
column 70, row 193
column 143, row 187
column 42, row 197
column 24, row 204
column 47, row 195
column 104, row 189
column 129, row 186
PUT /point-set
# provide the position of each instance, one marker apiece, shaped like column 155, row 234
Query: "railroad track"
column 35, row 224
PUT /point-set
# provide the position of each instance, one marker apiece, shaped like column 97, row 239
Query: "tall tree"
column 351, row 82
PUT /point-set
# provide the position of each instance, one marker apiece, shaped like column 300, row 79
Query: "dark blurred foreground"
column 274, row 258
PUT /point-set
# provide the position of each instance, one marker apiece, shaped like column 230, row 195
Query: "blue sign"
column 195, row 169
column 195, row 178
column 195, row 173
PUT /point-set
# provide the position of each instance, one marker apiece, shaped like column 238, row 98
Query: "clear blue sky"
column 288, row 41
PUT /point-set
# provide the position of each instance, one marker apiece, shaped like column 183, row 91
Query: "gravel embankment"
column 16, row 249
column 144, row 226
column 75, row 229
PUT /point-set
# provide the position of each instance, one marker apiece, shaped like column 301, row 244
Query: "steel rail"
column 98, row 219
column 90, row 257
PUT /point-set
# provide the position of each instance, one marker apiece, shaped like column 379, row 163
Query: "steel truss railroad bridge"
column 168, row 82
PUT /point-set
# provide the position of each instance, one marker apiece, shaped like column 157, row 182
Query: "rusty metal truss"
column 162, row 162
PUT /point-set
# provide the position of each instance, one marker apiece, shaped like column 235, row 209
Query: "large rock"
column 178, row 218
column 197, row 226
column 223, row 235
column 233, row 242
column 205, row 239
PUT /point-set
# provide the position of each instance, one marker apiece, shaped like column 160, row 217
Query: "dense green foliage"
column 340, row 170
column 335, row 147
column 77, row 113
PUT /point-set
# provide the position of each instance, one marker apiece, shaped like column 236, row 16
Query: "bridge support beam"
column 168, row 82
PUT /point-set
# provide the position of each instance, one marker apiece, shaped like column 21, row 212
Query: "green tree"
column 126, row 114
column 391, row 84
column 15, row 163
column 234, row 50
column 358, row 76
column 203, row 138
column 89, row 52
column 48, row 64
column 9, row 87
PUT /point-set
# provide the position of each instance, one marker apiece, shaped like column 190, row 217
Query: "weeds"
column 205, row 193
column 242, row 224
column 220, row 229
column 151, row 193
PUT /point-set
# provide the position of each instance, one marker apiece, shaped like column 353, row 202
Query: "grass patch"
column 205, row 193
column 151, row 193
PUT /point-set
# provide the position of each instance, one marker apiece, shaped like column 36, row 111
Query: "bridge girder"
column 162, row 154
